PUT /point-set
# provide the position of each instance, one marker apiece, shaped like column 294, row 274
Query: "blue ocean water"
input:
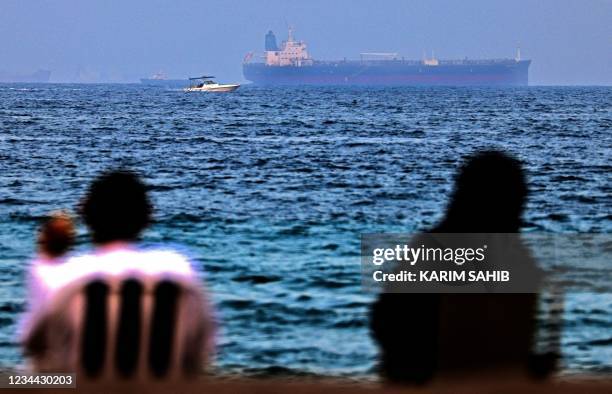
column 270, row 188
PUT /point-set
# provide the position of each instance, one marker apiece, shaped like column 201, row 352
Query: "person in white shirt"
column 116, row 210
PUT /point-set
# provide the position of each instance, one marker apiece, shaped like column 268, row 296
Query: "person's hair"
column 56, row 235
column 116, row 207
column 489, row 194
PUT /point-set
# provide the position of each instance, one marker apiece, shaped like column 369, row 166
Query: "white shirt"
column 116, row 261
column 47, row 278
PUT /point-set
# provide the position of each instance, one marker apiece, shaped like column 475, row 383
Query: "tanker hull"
column 392, row 73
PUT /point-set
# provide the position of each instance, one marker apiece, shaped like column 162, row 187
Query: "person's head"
column 116, row 207
column 489, row 195
column 56, row 235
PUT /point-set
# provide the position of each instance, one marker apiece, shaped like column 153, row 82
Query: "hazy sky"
column 569, row 41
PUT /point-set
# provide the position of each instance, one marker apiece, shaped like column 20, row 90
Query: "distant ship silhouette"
column 40, row 76
column 160, row 79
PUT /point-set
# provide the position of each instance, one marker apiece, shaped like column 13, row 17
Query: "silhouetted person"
column 489, row 196
column 116, row 208
column 150, row 292
column 421, row 335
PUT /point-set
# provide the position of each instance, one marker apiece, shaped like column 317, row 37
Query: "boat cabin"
column 198, row 82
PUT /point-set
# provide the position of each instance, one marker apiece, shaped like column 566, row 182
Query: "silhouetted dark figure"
column 489, row 196
column 116, row 207
column 421, row 335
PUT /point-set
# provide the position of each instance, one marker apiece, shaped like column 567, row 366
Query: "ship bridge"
column 292, row 53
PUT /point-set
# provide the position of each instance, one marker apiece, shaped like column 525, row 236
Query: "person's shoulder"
column 56, row 274
column 165, row 260
column 156, row 262
column 167, row 257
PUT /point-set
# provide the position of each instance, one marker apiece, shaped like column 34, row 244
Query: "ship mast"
column 290, row 35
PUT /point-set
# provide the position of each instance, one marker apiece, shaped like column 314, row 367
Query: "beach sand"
column 324, row 386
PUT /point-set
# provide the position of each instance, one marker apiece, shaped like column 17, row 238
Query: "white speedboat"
column 206, row 84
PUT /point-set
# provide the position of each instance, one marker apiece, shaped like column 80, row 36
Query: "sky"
column 569, row 41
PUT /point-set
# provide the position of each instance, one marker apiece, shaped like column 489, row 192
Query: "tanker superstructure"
column 292, row 65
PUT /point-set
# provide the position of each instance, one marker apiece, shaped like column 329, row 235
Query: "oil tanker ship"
column 292, row 65
column 160, row 79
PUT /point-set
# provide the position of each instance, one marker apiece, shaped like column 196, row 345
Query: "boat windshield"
column 201, row 82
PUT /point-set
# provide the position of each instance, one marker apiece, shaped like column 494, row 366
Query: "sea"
column 269, row 189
